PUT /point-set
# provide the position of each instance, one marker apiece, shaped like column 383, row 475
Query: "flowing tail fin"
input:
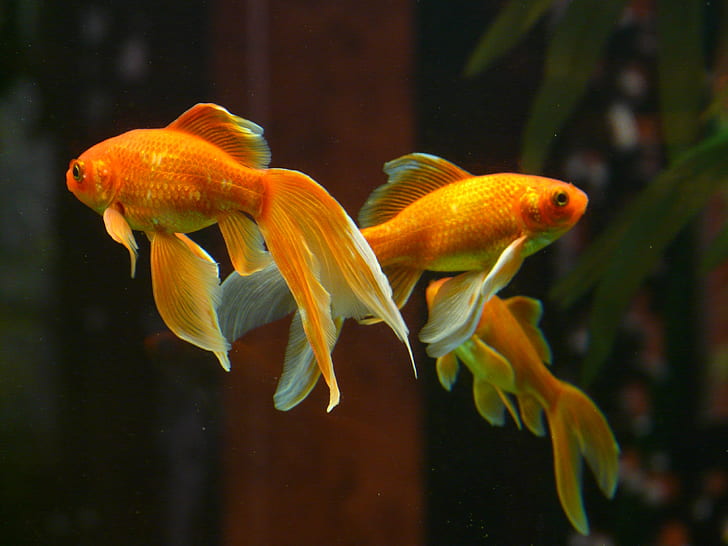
column 326, row 263
column 579, row 429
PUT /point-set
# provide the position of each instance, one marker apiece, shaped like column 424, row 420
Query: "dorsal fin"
column 528, row 312
column 241, row 139
column 411, row 177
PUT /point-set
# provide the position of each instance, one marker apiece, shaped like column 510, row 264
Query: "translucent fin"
column 532, row 414
column 187, row 292
column 402, row 280
column 244, row 243
column 300, row 372
column 253, row 300
column 458, row 305
column 488, row 402
column 508, row 264
column 241, row 139
column 411, row 177
column 447, row 367
column 528, row 312
column 118, row 228
column 326, row 262
column 454, row 313
column 487, row 364
column 579, row 428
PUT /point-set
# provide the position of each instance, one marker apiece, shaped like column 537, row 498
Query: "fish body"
column 507, row 354
column 173, row 181
column 432, row 215
column 467, row 224
column 210, row 166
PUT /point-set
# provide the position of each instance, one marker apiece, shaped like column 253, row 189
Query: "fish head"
column 91, row 179
column 552, row 206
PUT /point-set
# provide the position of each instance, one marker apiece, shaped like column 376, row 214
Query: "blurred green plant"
column 694, row 122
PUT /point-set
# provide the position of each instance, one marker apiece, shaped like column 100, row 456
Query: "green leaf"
column 681, row 70
column 665, row 208
column 509, row 27
column 570, row 60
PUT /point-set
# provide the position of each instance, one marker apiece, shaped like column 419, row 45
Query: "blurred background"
column 113, row 431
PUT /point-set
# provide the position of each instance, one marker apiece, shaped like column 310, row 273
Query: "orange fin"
column 579, row 428
column 458, row 305
column 253, row 300
column 532, row 414
column 326, row 262
column 187, row 292
column 528, row 312
column 402, row 280
column 300, row 372
column 447, row 367
column 488, row 402
column 488, row 365
column 241, row 139
column 118, row 228
column 244, row 243
column 411, row 177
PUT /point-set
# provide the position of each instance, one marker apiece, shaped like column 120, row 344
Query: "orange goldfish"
column 209, row 166
column 506, row 355
column 430, row 215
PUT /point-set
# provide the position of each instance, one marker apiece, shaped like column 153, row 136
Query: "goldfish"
column 506, row 355
column 211, row 167
column 430, row 215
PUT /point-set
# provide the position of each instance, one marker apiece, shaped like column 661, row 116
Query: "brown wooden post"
column 331, row 83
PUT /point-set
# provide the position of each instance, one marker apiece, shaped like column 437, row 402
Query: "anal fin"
column 244, row 243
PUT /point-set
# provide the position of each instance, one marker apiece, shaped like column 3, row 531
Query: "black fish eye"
column 77, row 172
column 560, row 199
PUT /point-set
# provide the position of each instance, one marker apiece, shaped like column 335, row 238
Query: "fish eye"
column 560, row 198
column 77, row 171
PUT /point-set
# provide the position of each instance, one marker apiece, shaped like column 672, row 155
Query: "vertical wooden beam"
column 330, row 82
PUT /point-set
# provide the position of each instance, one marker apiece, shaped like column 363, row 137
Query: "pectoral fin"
column 458, row 305
column 118, row 228
column 187, row 292
column 454, row 313
column 508, row 264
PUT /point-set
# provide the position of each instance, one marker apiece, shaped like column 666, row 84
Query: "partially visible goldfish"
column 209, row 166
column 506, row 355
column 430, row 215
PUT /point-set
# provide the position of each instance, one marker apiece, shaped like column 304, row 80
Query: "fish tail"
column 327, row 264
column 579, row 429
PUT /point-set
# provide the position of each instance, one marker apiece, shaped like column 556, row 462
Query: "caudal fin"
column 579, row 429
column 326, row 263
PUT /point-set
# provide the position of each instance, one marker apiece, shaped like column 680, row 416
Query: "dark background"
column 112, row 431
